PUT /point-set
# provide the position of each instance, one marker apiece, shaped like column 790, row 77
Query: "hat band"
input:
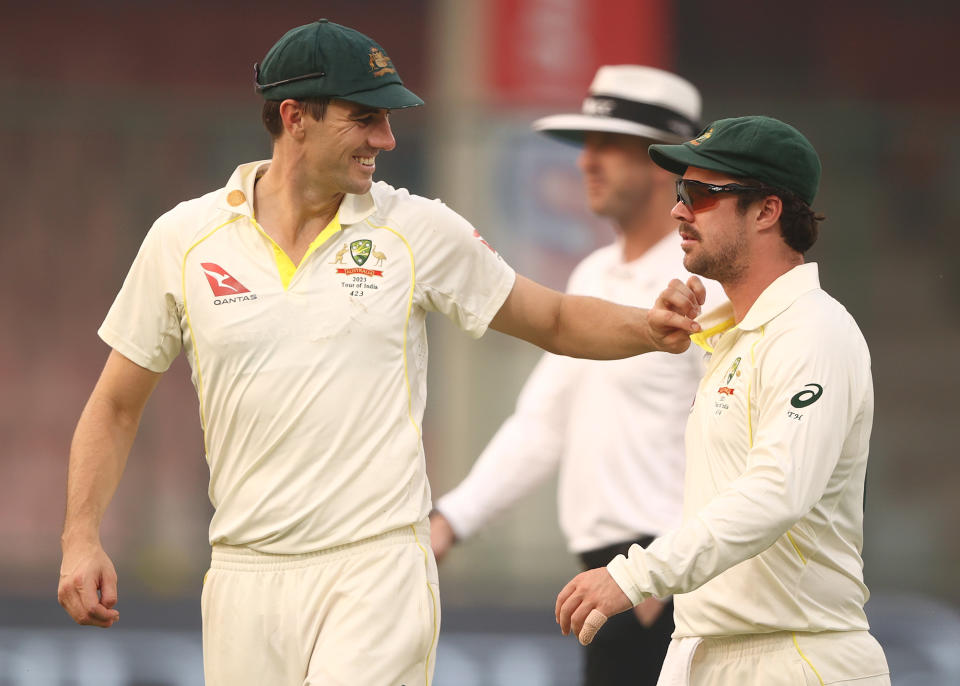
column 260, row 87
column 656, row 116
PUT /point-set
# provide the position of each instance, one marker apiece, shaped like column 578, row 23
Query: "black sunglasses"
column 259, row 88
column 698, row 196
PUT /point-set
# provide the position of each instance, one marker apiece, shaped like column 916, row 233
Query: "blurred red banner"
column 547, row 51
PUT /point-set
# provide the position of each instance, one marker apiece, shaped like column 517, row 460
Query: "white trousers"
column 785, row 658
column 367, row 613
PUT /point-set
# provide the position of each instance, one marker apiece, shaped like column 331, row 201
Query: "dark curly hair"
column 799, row 225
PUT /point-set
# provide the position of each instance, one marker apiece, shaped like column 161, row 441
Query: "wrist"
column 80, row 536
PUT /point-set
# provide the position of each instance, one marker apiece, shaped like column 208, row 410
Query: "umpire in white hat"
column 614, row 430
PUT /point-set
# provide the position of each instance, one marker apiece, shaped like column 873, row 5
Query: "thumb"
column 108, row 590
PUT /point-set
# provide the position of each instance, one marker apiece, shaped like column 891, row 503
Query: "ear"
column 768, row 212
column 291, row 113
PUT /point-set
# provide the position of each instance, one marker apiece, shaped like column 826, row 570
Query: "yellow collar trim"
column 701, row 337
column 285, row 265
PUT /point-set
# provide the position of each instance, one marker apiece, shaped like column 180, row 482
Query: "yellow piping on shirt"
column 433, row 597
column 797, row 548
column 753, row 365
column 406, row 323
column 805, row 658
column 193, row 338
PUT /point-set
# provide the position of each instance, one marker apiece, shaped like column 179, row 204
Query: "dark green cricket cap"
column 324, row 59
column 756, row 147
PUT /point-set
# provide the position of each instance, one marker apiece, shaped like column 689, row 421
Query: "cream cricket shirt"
column 777, row 445
column 311, row 379
column 614, row 428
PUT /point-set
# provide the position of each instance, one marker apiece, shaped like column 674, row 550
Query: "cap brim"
column 676, row 159
column 571, row 128
column 392, row 96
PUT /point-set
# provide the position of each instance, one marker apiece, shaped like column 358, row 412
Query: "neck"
column 291, row 208
column 744, row 291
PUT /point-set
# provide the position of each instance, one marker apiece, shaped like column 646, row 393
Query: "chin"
column 360, row 187
column 692, row 265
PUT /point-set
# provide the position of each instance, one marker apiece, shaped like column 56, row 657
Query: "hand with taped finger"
column 587, row 601
column 670, row 320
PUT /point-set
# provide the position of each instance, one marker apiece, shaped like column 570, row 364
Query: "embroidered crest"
column 360, row 251
column 734, row 370
column 702, row 137
column 380, row 64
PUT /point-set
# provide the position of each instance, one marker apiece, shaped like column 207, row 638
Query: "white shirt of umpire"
column 777, row 448
column 613, row 428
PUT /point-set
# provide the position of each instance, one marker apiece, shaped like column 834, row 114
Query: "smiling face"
column 716, row 240
column 339, row 150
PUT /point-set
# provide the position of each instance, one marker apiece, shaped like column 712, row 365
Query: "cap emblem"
column 380, row 64
column 702, row 137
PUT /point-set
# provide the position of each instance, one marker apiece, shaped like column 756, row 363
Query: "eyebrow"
column 360, row 110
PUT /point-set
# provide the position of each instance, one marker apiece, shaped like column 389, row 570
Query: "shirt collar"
column 356, row 208
column 781, row 294
column 776, row 298
column 237, row 196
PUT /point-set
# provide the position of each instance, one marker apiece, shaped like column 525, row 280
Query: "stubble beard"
column 724, row 265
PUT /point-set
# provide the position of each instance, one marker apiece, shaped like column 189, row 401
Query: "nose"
column 381, row 137
column 681, row 212
column 586, row 158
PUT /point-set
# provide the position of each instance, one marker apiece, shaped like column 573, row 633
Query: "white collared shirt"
column 777, row 446
column 311, row 378
column 614, row 428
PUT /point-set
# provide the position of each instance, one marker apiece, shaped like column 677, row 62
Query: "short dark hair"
column 798, row 223
column 315, row 107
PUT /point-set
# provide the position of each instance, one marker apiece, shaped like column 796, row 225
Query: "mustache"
column 689, row 230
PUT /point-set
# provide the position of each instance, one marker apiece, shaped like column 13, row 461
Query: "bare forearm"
column 600, row 330
column 98, row 455
column 573, row 325
column 580, row 326
column 102, row 442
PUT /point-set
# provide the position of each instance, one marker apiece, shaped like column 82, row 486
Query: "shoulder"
column 401, row 204
column 190, row 220
column 423, row 221
column 816, row 324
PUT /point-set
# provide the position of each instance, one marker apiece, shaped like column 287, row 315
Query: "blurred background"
column 113, row 111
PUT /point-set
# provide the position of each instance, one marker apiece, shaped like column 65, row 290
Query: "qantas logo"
column 220, row 281
column 226, row 289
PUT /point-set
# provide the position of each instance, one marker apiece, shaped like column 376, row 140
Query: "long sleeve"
column 522, row 454
column 790, row 509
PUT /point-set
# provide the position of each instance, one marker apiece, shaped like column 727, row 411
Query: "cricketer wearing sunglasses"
column 766, row 568
column 299, row 293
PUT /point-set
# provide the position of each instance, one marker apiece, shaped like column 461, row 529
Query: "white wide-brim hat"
column 639, row 101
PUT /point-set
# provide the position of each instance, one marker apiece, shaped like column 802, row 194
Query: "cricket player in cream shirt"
column 766, row 568
column 299, row 293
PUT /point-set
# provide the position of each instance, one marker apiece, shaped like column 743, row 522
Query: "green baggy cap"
column 324, row 59
column 756, row 147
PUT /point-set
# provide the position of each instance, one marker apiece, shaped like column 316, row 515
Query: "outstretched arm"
column 580, row 326
column 98, row 454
